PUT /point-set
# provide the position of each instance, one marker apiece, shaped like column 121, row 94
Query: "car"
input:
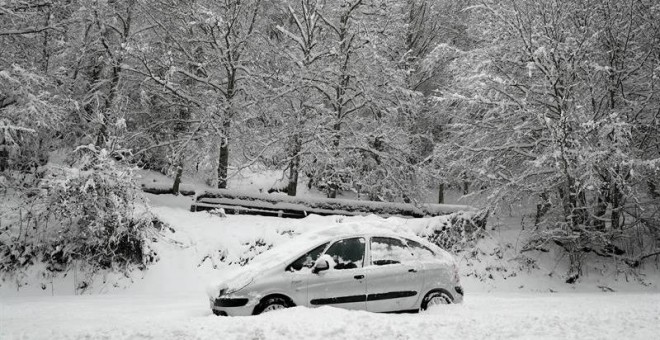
column 352, row 266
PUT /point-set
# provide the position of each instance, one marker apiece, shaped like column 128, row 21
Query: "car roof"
column 364, row 229
column 304, row 242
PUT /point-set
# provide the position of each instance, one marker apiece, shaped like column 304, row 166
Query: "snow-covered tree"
column 346, row 90
column 206, row 43
column 559, row 103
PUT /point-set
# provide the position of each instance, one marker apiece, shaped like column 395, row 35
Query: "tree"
column 555, row 104
column 61, row 86
column 206, row 43
column 305, row 52
column 32, row 102
column 430, row 26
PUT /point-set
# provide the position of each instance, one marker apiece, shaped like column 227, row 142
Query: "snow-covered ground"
column 481, row 316
column 508, row 296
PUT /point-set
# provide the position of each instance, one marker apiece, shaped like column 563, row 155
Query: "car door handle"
column 412, row 270
column 358, row 277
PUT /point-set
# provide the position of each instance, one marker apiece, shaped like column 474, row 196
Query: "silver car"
column 351, row 266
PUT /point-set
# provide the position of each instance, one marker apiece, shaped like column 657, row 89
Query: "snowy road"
column 492, row 316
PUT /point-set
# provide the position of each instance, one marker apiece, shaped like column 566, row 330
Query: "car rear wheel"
column 271, row 304
column 437, row 297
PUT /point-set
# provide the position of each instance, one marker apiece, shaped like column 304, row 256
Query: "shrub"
column 90, row 213
column 458, row 231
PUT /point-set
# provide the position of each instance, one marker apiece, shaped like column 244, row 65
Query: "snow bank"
column 481, row 316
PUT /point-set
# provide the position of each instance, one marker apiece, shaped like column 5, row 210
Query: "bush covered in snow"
column 458, row 231
column 630, row 246
column 90, row 214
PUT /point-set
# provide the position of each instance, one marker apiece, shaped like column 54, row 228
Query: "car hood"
column 237, row 278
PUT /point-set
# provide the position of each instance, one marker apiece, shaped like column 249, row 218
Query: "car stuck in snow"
column 350, row 266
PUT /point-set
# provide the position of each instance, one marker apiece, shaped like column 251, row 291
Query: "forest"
column 553, row 103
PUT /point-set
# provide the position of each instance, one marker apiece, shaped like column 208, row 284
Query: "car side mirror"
column 320, row 265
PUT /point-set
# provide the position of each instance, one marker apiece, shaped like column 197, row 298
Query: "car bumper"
column 231, row 306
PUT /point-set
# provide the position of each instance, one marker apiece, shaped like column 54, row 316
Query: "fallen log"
column 162, row 190
column 233, row 201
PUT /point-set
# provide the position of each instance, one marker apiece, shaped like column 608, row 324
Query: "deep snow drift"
column 481, row 316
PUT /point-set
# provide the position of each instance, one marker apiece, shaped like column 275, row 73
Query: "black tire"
column 436, row 294
column 270, row 304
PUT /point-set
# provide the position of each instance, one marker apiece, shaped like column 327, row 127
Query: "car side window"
column 348, row 253
column 307, row 260
column 387, row 250
column 419, row 250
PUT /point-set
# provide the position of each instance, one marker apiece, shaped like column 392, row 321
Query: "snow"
column 506, row 297
column 481, row 316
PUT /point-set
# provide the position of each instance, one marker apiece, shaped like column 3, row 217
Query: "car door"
column 436, row 273
column 299, row 272
column 394, row 278
column 343, row 285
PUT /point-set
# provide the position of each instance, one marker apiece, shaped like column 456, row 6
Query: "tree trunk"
column 294, row 166
column 599, row 212
column 223, row 162
column 615, row 200
column 653, row 189
column 45, row 52
column 177, row 178
column 4, row 157
column 582, row 210
column 564, row 196
column 441, row 193
column 109, row 103
column 575, row 269
column 542, row 208
column 223, row 158
column 332, row 191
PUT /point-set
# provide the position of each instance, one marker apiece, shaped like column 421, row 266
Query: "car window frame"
column 421, row 245
column 325, row 245
column 364, row 255
column 403, row 242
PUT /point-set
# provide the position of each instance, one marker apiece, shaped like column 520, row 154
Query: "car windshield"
column 307, row 259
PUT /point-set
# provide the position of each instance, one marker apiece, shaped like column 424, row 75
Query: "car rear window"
column 387, row 250
column 419, row 250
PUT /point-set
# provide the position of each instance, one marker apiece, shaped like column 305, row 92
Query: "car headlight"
column 215, row 290
column 236, row 288
column 227, row 287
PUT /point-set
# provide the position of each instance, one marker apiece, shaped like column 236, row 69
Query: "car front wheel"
column 437, row 297
column 271, row 304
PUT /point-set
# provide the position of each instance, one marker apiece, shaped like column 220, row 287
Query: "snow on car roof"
column 306, row 241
